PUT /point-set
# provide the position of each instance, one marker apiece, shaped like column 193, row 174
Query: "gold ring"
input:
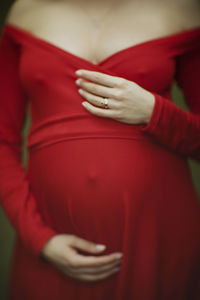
column 106, row 102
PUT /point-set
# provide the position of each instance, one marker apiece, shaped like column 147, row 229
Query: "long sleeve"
column 16, row 197
column 170, row 125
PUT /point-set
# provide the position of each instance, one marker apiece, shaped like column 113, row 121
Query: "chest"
column 75, row 31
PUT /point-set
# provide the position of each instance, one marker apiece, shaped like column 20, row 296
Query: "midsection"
column 84, row 186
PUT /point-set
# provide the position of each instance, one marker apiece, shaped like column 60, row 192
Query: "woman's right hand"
column 62, row 251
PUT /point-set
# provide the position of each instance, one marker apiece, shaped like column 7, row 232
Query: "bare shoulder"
column 20, row 12
column 17, row 10
column 189, row 13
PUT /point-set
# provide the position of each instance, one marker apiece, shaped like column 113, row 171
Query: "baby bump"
column 90, row 186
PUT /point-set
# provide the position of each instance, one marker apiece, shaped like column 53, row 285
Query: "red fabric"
column 126, row 186
column 15, row 191
column 177, row 129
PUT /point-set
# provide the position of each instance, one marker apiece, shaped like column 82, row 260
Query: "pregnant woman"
column 106, row 208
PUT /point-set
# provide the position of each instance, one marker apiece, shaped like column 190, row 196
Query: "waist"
column 77, row 126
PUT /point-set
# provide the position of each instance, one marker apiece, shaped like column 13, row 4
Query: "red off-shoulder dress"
column 126, row 186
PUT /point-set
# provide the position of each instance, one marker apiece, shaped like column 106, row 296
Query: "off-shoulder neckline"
column 41, row 41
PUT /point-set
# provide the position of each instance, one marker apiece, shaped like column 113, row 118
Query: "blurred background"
column 7, row 233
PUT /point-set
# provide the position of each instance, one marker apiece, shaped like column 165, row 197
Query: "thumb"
column 88, row 246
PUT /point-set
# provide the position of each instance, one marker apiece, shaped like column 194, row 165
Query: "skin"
column 120, row 92
column 128, row 102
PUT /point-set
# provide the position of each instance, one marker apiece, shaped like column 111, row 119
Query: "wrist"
column 149, row 107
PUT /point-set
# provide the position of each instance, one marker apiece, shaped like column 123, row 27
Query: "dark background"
column 7, row 233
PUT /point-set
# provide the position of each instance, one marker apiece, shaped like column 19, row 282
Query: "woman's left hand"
column 127, row 101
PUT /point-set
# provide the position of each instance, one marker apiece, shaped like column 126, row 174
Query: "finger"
column 100, row 276
column 85, row 245
column 78, row 260
column 96, row 89
column 95, row 269
column 101, row 112
column 102, row 78
column 97, row 101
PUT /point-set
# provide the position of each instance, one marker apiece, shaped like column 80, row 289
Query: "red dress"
column 126, row 186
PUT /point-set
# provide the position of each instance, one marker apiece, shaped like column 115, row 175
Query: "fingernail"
column 79, row 72
column 78, row 81
column 118, row 255
column 84, row 104
column 100, row 247
column 80, row 91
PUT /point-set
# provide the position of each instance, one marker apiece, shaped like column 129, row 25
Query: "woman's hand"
column 62, row 251
column 127, row 101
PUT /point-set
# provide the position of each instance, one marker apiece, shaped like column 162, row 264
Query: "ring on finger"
column 104, row 102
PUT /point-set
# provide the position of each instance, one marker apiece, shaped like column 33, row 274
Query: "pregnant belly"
column 93, row 187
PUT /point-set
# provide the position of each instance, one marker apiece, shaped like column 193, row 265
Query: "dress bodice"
column 47, row 76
